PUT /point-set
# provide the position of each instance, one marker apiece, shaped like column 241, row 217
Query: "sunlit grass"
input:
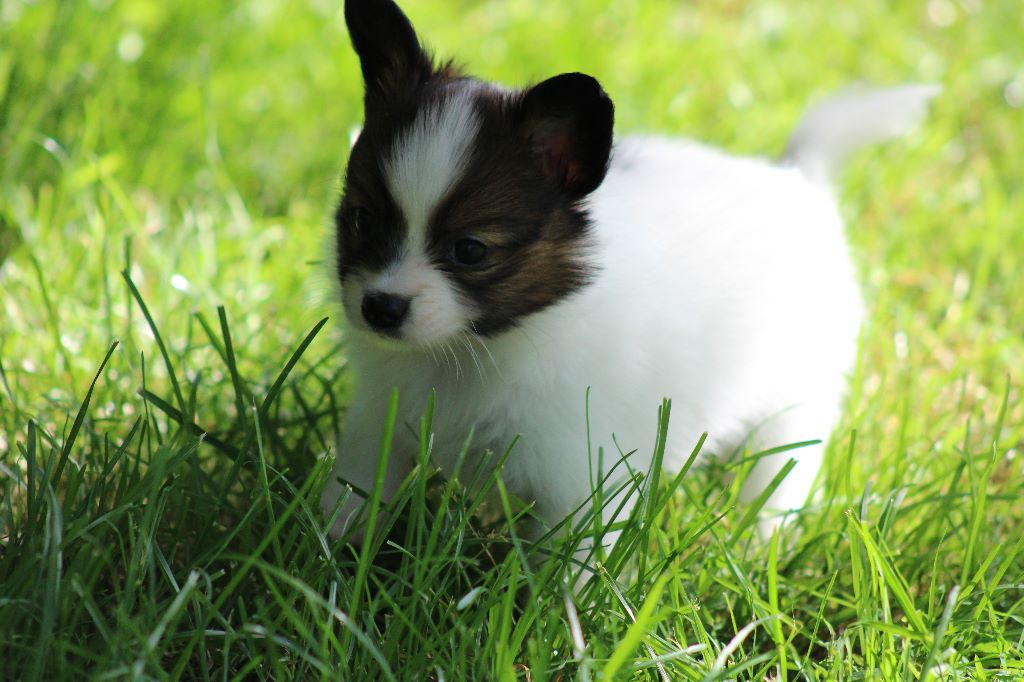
column 167, row 171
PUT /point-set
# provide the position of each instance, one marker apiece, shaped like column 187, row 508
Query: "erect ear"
column 389, row 51
column 567, row 122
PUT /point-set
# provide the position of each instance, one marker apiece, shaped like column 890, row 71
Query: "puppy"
column 496, row 249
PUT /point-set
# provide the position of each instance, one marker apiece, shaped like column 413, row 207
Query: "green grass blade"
column 159, row 340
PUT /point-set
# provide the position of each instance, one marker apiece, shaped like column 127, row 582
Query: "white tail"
column 829, row 132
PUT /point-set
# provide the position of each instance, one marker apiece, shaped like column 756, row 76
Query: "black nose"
column 384, row 312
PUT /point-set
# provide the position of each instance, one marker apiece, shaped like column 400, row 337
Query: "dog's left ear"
column 389, row 50
column 567, row 122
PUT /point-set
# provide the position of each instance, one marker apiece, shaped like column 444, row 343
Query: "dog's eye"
column 360, row 217
column 468, row 251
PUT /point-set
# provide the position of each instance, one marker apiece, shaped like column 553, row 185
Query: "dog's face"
column 462, row 203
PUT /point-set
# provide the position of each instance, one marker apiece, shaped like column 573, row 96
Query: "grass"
column 167, row 388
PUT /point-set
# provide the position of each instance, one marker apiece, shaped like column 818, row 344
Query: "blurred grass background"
column 198, row 145
column 212, row 136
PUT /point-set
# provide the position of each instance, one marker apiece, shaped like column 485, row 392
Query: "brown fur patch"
column 536, row 235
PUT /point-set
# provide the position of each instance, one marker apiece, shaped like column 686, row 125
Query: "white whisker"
column 444, row 354
column 455, row 354
column 450, row 352
column 463, row 338
column 476, row 337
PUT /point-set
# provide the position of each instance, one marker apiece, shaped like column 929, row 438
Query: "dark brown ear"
column 389, row 51
column 567, row 121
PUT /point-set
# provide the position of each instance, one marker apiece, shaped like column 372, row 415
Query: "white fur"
column 724, row 284
column 845, row 122
column 426, row 161
column 430, row 156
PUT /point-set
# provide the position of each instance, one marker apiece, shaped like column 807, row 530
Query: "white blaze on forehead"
column 428, row 158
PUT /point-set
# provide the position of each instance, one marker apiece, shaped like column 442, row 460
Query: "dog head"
column 463, row 206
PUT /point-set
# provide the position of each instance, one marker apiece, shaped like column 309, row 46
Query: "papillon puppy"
column 498, row 249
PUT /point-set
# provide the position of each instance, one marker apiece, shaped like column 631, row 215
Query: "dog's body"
column 673, row 271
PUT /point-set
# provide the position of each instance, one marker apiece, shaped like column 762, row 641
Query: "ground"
column 167, row 172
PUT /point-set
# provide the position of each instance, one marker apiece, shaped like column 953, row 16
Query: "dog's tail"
column 829, row 132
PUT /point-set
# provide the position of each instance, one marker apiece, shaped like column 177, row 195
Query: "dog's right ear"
column 567, row 122
column 389, row 51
